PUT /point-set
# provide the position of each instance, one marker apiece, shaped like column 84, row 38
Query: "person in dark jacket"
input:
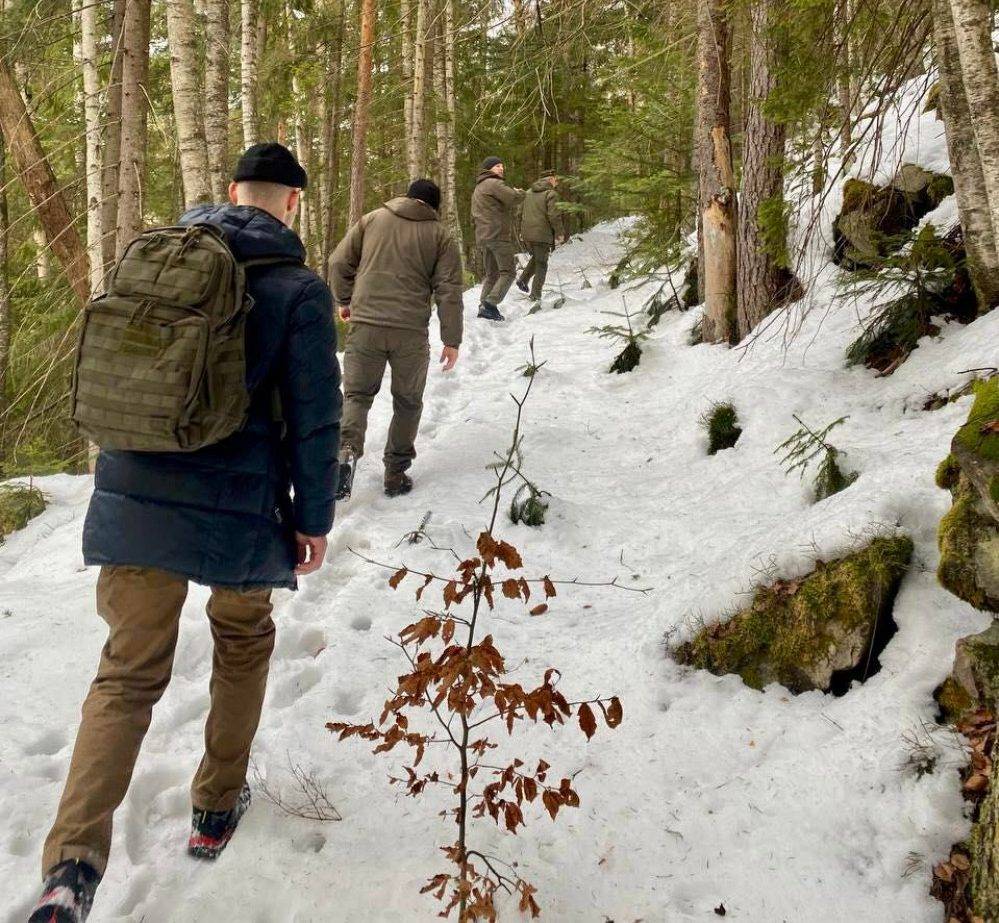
column 222, row 516
column 385, row 272
column 494, row 205
column 541, row 229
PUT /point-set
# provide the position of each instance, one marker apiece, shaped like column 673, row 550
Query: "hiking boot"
column 489, row 311
column 67, row 894
column 348, row 466
column 212, row 830
column 397, row 483
column 522, row 286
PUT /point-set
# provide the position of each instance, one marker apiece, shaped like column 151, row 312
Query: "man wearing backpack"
column 385, row 273
column 493, row 213
column 222, row 515
column 540, row 229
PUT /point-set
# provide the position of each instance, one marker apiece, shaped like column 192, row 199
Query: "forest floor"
column 779, row 807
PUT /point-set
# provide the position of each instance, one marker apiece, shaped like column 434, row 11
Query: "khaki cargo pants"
column 142, row 608
column 369, row 349
column 536, row 268
column 500, row 267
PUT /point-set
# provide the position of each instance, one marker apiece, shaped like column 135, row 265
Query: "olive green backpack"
column 161, row 361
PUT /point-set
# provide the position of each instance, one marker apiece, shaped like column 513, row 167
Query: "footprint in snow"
column 291, row 689
column 48, row 744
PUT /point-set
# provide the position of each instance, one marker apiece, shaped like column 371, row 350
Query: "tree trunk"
column 406, row 24
column 135, row 71
column 973, row 30
column 844, row 80
column 92, row 160
column 4, row 282
column 182, row 36
column 717, row 179
column 297, row 105
column 450, row 166
column 248, row 69
column 217, row 40
column 111, row 165
column 331, row 141
column 418, row 134
column 759, row 277
column 966, row 165
column 40, row 184
column 362, row 109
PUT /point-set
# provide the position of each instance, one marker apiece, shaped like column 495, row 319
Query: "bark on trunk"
column 182, row 36
column 973, row 31
column 406, row 24
column 298, row 104
column 717, row 180
column 248, row 69
column 135, row 70
column 450, row 165
column 418, row 134
column 966, row 165
column 844, row 80
column 331, row 142
column 4, row 282
column 44, row 193
column 759, row 277
column 362, row 107
column 92, row 159
column 111, row 165
column 217, row 40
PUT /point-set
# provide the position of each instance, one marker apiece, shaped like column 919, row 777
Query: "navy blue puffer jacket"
column 224, row 515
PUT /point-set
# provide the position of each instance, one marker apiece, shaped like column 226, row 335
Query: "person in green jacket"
column 541, row 229
column 494, row 205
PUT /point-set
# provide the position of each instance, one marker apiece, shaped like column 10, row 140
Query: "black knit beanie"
column 426, row 190
column 271, row 163
column 491, row 162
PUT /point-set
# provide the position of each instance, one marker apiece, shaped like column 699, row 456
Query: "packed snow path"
column 781, row 808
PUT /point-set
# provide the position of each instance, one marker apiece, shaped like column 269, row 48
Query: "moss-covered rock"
column 801, row 633
column 984, row 853
column 19, row 504
column 976, row 444
column 974, row 682
column 948, row 472
column 876, row 220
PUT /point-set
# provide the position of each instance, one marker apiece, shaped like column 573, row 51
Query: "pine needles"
column 804, row 447
column 721, row 423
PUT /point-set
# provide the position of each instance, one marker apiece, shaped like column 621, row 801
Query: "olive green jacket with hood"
column 390, row 265
column 493, row 208
column 541, row 222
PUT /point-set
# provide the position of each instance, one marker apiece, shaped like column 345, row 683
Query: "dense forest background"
column 119, row 113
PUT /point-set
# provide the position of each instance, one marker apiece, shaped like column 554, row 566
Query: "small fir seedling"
column 659, row 304
column 529, row 505
column 19, row 504
column 804, row 447
column 626, row 334
column 721, row 423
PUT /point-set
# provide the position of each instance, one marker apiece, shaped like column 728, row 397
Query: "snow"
column 782, row 807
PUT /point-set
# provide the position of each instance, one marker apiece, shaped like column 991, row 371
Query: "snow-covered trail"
column 783, row 808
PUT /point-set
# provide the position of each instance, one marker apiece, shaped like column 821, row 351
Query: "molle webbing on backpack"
column 161, row 363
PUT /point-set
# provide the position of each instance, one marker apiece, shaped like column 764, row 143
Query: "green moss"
column 964, row 531
column 954, row 700
column 19, row 504
column 947, row 474
column 856, row 195
column 722, row 425
column 984, row 410
column 939, row 188
column 789, row 630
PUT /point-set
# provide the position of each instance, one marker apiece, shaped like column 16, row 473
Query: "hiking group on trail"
column 207, row 374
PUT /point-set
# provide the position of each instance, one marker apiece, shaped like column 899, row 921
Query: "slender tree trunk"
column 362, row 109
column 450, row 166
column 44, row 193
column 844, row 81
column 249, row 40
column 111, row 161
column 297, row 105
column 973, row 31
column 331, row 142
column 217, row 40
column 182, row 36
column 966, row 165
column 759, row 276
column 418, row 134
column 135, row 71
column 92, row 121
column 406, row 24
column 717, row 178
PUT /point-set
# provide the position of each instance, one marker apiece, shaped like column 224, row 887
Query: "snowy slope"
column 784, row 808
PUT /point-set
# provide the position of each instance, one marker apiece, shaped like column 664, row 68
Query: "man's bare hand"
column 345, row 312
column 311, row 553
column 449, row 358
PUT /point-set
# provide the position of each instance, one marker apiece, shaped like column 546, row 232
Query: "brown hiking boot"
column 397, row 483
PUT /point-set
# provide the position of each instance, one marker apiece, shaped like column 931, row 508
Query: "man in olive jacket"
column 540, row 229
column 384, row 273
column 493, row 213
